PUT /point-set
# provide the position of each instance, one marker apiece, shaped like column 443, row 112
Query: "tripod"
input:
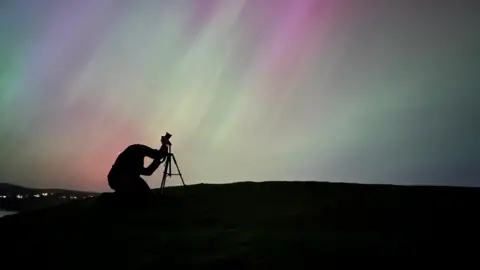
column 168, row 169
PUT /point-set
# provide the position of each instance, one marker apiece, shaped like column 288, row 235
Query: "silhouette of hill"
column 269, row 225
column 19, row 198
column 6, row 188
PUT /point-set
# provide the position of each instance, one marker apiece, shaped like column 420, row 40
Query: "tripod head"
column 166, row 139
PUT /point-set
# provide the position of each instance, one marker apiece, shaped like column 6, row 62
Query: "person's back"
column 131, row 160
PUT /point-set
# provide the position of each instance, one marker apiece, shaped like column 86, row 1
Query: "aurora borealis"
column 257, row 90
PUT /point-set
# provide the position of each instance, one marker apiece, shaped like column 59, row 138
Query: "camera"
column 166, row 139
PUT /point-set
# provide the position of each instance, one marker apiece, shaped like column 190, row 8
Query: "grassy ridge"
column 249, row 226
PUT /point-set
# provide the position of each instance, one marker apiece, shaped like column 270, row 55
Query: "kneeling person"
column 125, row 174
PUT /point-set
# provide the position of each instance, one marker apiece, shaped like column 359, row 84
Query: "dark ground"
column 270, row 225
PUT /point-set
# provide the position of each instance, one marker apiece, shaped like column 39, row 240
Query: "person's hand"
column 163, row 149
column 165, row 141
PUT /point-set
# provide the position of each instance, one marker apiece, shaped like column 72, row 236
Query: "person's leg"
column 127, row 184
column 119, row 183
column 114, row 182
column 139, row 191
column 141, row 188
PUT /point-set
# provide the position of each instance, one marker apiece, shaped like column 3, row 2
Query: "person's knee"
column 113, row 183
column 141, row 184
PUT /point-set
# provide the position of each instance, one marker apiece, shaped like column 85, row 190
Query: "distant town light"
column 44, row 194
column 36, row 195
column 19, row 196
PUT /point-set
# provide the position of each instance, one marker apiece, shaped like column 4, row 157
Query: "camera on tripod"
column 166, row 148
column 166, row 139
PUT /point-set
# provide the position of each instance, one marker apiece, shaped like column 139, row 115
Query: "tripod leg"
column 170, row 165
column 178, row 169
column 165, row 173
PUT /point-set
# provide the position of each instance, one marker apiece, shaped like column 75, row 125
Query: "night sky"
column 311, row 90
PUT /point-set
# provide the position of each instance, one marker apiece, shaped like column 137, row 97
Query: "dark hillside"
column 270, row 225
column 35, row 198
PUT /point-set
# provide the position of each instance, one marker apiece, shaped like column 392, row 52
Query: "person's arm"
column 152, row 167
column 158, row 158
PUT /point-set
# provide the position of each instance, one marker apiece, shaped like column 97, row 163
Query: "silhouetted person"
column 124, row 176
